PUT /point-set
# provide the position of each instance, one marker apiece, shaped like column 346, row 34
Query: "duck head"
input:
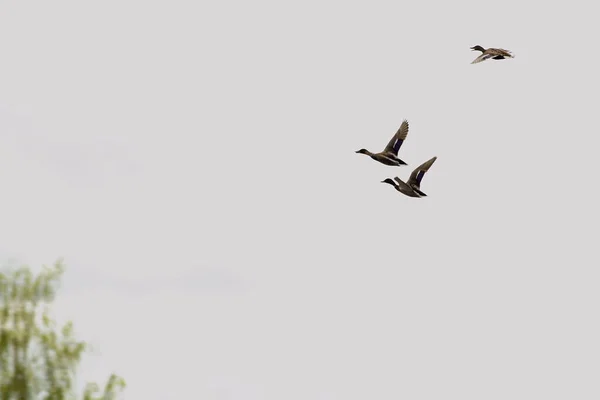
column 390, row 181
column 478, row 47
column 362, row 151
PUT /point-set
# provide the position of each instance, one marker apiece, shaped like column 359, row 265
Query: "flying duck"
column 412, row 187
column 496, row 54
column 389, row 156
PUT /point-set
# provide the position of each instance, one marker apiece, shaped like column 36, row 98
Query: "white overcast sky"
column 193, row 162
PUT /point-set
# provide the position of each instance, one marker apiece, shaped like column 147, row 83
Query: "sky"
column 194, row 164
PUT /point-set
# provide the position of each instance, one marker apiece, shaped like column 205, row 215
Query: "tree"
column 38, row 360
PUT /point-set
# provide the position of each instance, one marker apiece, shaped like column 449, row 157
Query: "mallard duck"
column 412, row 187
column 389, row 156
column 496, row 54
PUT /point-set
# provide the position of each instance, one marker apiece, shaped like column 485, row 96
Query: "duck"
column 389, row 156
column 496, row 54
column 412, row 187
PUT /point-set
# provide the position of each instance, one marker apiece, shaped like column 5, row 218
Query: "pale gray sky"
column 194, row 163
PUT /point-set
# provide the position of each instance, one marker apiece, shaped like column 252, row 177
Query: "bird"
column 389, row 156
column 412, row 187
column 496, row 54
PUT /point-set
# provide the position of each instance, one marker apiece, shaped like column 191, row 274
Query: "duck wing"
column 419, row 172
column 394, row 145
column 482, row 57
column 500, row 52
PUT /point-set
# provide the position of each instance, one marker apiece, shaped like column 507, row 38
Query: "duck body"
column 388, row 159
column 384, row 158
column 389, row 156
column 495, row 54
column 404, row 188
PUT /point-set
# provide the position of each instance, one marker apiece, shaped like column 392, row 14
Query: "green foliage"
column 113, row 386
column 38, row 360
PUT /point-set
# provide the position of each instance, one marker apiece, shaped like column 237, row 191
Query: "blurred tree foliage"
column 38, row 360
